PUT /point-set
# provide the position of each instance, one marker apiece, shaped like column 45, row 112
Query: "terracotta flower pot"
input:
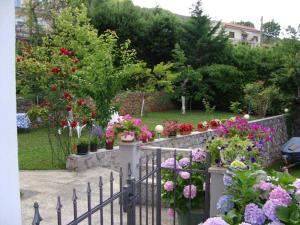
column 203, row 129
column 109, row 145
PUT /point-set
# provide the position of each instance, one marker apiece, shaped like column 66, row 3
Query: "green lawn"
column 154, row 118
column 35, row 152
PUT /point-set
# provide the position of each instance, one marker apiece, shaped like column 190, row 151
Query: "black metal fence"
column 139, row 199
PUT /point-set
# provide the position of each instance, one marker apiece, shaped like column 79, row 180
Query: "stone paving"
column 44, row 187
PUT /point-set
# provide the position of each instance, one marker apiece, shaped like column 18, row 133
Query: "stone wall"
column 111, row 159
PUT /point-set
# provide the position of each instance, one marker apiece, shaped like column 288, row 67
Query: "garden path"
column 44, row 187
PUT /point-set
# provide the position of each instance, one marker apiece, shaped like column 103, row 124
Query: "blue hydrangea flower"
column 225, row 204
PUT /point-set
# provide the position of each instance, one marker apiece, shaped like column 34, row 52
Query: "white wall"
column 9, row 175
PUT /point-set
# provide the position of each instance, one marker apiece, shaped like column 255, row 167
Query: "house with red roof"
column 243, row 34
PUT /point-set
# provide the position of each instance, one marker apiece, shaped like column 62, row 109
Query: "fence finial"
column 129, row 171
column 37, row 217
column 58, row 205
column 100, row 182
column 74, row 198
column 111, row 177
column 89, row 190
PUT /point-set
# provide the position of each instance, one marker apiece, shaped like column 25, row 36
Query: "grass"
column 295, row 171
column 35, row 151
column 194, row 117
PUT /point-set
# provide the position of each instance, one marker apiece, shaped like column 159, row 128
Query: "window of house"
column 231, row 34
column 244, row 36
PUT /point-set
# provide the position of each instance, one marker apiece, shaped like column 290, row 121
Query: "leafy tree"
column 246, row 23
column 98, row 77
column 271, row 30
column 292, row 32
column 202, row 41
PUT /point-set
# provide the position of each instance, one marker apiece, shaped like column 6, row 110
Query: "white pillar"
column 10, row 211
column 129, row 154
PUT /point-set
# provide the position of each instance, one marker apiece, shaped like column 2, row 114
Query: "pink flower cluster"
column 190, row 191
column 169, row 186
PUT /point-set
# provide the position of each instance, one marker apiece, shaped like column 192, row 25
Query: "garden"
column 94, row 81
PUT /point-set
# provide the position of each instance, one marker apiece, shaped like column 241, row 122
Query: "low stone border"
column 112, row 158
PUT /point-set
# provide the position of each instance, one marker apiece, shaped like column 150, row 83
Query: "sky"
column 285, row 12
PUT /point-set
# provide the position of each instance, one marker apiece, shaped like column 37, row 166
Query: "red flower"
column 75, row 61
column 74, row 124
column 64, row 51
column 53, row 88
column 73, row 69
column 80, row 102
column 67, row 96
column 83, row 122
column 63, row 123
column 18, row 60
column 94, row 115
column 55, row 70
column 44, row 104
column 69, row 108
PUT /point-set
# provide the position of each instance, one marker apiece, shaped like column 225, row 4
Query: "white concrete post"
column 217, row 188
column 129, row 153
column 10, row 211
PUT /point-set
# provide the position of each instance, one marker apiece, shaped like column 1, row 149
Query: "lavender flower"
column 184, row 162
column 264, row 186
column 281, row 195
column 245, row 223
column 296, row 184
column 169, row 186
column 96, row 131
column 227, row 180
column 170, row 164
column 269, row 209
column 190, row 191
column 214, row 221
column 198, row 155
column 225, row 204
column 170, row 212
column 184, row 175
column 275, row 223
column 254, row 215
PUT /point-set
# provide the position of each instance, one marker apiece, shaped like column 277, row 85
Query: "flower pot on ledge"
column 203, row 129
column 172, row 134
column 127, row 138
column 82, row 149
column 93, row 147
column 109, row 145
column 196, row 216
column 185, row 132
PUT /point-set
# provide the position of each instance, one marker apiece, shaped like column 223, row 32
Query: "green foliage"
column 37, row 112
column 289, row 215
column 271, row 30
column 83, row 141
column 235, row 107
column 202, row 41
column 208, row 108
column 246, row 23
column 98, row 76
column 260, row 97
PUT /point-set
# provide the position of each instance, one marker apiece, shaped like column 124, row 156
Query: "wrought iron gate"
column 139, row 199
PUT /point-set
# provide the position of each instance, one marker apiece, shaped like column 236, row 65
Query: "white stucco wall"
column 238, row 35
column 10, row 213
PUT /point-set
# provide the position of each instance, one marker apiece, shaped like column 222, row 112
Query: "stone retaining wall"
column 110, row 158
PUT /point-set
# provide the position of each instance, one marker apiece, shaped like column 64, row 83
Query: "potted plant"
column 83, row 146
column 109, row 138
column 202, row 126
column 185, row 128
column 127, row 136
column 96, row 135
column 145, row 135
column 214, row 124
column 189, row 193
column 170, row 128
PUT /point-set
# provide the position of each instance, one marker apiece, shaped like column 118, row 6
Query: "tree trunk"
column 143, row 104
column 183, row 104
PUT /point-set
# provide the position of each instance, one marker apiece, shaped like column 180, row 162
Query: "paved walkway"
column 44, row 187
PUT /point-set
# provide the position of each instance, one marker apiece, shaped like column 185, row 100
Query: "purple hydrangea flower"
column 184, row 162
column 225, row 204
column 270, row 209
column 214, row 221
column 190, row 191
column 254, row 215
column 296, row 183
column 280, row 194
column 169, row 186
column 265, row 186
column 275, row 223
column 227, row 180
column 245, row 223
column 184, row 175
column 170, row 212
column 170, row 164
column 198, row 155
